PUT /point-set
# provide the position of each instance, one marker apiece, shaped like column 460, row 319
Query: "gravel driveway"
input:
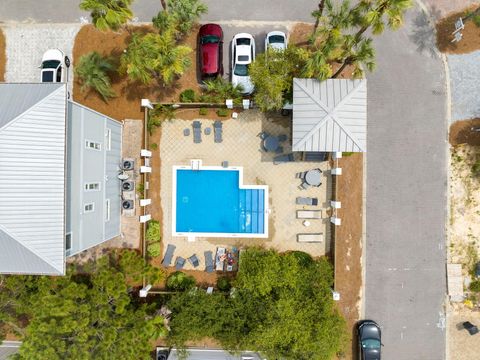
column 26, row 44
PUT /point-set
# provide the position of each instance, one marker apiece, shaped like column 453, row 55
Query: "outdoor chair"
column 263, row 135
column 300, row 175
column 179, row 263
column 303, row 186
column 282, row 138
column 186, row 132
column 167, row 260
column 309, row 214
column 307, row 201
column 194, row 260
column 280, row 159
column 209, row 261
column 197, row 132
column 207, row 131
column 217, row 129
column 310, row 238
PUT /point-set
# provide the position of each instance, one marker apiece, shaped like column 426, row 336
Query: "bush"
column 476, row 20
column 154, row 146
column 476, row 168
column 223, row 283
column 203, row 111
column 223, row 112
column 475, row 286
column 153, row 231
column 140, row 188
column 187, row 96
column 93, row 72
column 179, row 281
column 153, row 249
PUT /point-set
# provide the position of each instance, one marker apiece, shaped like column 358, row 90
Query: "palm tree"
column 135, row 62
column 92, row 71
column 370, row 13
column 317, row 14
column 359, row 54
column 186, row 13
column 218, row 90
column 108, row 14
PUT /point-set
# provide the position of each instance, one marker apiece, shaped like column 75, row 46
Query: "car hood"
column 371, row 354
column 53, row 54
column 245, row 81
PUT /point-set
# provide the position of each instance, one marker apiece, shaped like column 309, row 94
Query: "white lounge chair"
column 311, row 238
column 309, row 214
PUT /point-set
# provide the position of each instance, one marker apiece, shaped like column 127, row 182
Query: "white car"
column 243, row 54
column 54, row 66
column 276, row 40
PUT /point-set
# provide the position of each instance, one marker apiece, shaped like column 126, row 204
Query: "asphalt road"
column 406, row 196
column 406, row 163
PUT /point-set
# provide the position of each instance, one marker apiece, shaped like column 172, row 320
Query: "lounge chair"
column 208, row 261
column 197, row 132
column 307, row 201
column 311, row 238
column 280, row 159
column 194, row 260
column 217, row 130
column 167, row 259
column 179, row 263
column 309, row 214
column 220, row 259
column 282, row 138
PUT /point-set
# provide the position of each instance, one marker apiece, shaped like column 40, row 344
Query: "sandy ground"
column 462, row 345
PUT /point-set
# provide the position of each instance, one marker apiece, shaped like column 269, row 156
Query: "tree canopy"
column 108, row 14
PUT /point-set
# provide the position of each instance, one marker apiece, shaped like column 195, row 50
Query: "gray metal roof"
column 32, row 181
column 329, row 115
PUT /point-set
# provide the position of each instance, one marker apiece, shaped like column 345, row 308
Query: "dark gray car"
column 369, row 340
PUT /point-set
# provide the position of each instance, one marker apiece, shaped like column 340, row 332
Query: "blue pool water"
column 211, row 201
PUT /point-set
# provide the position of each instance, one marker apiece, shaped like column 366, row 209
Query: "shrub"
column 179, row 281
column 203, row 111
column 347, row 153
column 154, row 146
column 93, row 73
column 223, row 112
column 476, row 20
column 140, row 188
column 218, row 90
column 159, row 114
column 187, row 96
column 476, row 168
column 475, row 286
column 153, row 249
column 223, row 283
column 153, row 231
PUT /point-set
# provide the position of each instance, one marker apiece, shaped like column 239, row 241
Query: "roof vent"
column 128, row 204
column 128, row 185
column 128, row 164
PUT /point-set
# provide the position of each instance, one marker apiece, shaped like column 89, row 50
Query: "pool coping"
column 196, row 165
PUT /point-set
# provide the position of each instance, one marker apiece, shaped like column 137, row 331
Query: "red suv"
column 210, row 50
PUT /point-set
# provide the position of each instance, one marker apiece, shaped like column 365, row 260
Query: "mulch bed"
column 461, row 132
column 3, row 56
column 349, row 243
column 471, row 34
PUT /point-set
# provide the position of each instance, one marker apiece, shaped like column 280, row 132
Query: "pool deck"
column 241, row 147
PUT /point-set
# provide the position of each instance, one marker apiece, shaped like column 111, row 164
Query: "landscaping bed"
column 461, row 132
column 3, row 56
column 471, row 34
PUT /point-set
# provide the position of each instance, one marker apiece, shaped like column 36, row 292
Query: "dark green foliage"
column 158, row 115
column 179, row 15
column 135, row 267
column 223, row 283
column 154, row 146
column 218, row 90
column 140, row 189
column 476, row 168
column 92, row 71
column 475, row 286
column 187, row 96
column 223, row 112
column 179, row 281
column 108, row 14
column 83, row 316
column 203, row 111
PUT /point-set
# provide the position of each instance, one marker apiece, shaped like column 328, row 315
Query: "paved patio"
column 241, row 147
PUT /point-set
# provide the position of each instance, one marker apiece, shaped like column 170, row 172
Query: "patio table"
column 271, row 143
column 313, row 177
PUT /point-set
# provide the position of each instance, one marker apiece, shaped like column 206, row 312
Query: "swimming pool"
column 213, row 202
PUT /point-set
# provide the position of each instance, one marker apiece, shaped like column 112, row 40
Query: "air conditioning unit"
column 128, row 185
column 128, row 204
column 128, row 164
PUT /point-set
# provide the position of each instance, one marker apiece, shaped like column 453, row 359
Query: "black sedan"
column 369, row 340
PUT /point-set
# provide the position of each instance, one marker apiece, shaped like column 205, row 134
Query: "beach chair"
column 167, row 259
column 310, row 238
column 307, row 201
column 309, row 214
column 280, row 159
column 303, row 186
column 179, row 263
column 217, row 130
column 282, row 138
column 208, row 261
column 194, row 260
column 220, row 259
column 197, row 132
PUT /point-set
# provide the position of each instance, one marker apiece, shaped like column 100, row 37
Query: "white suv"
column 54, row 66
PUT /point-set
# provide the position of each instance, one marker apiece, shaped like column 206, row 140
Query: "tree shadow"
column 423, row 34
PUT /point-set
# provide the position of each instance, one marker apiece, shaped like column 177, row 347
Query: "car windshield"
column 371, row 344
column 210, row 39
column 276, row 39
column 50, row 64
column 47, row 76
column 243, row 41
column 241, row 70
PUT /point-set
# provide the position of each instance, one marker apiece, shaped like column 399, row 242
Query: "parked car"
column 210, row 50
column 54, row 66
column 243, row 54
column 276, row 40
column 369, row 340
